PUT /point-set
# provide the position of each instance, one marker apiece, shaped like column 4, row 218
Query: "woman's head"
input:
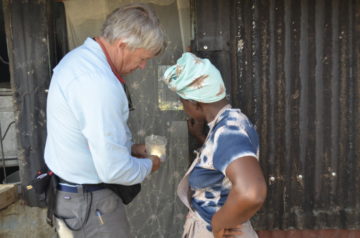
column 137, row 26
column 196, row 79
column 198, row 82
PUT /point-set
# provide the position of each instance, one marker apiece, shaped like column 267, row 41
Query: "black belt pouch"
column 126, row 193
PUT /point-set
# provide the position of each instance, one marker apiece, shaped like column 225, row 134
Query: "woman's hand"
column 228, row 233
column 247, row 194
column 196, row 129
column 219, row 233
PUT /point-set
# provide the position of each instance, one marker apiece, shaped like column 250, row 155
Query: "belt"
column 65, row 186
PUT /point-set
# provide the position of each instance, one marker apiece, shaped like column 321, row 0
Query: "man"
column 89, row 142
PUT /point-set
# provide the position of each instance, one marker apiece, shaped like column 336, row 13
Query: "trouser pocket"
column 108, row 215
column 73, row 209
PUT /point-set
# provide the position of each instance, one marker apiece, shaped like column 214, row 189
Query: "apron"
column 195, row 226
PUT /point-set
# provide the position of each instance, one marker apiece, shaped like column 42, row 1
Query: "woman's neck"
column 212, row 109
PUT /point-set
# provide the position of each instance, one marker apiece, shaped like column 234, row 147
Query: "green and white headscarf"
column 194, row 78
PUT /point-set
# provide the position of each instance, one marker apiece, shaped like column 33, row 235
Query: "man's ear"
column 120, row 44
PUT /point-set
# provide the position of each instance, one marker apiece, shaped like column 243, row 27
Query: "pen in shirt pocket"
column 99, row 215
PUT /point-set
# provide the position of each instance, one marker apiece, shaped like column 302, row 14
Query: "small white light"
column 205, row 47
column 272, row 178
column 300, row 176
column 333, row 174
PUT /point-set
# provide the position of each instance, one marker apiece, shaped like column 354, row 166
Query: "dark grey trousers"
column 87, row 215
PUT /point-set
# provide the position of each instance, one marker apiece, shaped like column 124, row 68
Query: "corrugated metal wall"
column 30, row 56
column 294, row 72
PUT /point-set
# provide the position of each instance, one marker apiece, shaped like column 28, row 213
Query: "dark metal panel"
column 213, row 40
column 214, row 36
column 294, row 71
column 4, row 66
column 59, row 30
column 297, row 64
column 27, row 29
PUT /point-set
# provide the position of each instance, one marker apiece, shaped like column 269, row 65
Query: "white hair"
column 137, row 25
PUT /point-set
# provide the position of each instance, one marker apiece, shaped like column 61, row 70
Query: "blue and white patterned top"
column 231, row 137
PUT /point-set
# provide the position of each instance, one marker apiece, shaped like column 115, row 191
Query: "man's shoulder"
column 87, row 57
column 79, row 60
column 85, row 68
column 79, row 69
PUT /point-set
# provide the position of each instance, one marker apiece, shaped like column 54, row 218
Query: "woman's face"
column 192, row 109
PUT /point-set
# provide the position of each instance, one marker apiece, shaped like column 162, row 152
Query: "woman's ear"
column 199, row 106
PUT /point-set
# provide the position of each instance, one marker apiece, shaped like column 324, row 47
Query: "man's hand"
column 155, row 162
column 138, row 150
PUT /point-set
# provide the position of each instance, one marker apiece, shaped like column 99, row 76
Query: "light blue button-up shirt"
column 88, row 138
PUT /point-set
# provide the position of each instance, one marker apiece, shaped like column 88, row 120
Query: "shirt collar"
column 217, row 117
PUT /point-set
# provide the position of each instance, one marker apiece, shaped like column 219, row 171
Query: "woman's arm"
column 247, row 194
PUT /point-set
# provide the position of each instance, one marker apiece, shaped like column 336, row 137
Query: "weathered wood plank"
column 8, row 194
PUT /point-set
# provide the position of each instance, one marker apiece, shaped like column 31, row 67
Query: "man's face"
column 129, row 59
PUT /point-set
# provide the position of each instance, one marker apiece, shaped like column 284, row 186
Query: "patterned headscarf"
column 195, row 79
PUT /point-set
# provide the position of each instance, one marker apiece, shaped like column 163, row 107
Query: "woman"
column 224, row 186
